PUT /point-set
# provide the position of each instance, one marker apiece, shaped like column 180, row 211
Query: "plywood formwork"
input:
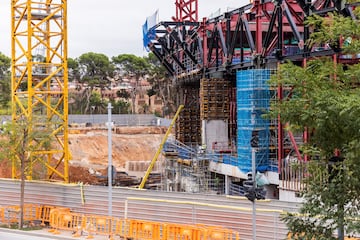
column 188, row 125
column 39, row 80
column 214, row 99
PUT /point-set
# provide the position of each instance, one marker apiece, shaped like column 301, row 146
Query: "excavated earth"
column 89, row 150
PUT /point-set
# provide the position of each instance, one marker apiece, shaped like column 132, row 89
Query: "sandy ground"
column 130, row 144
column 89, row 150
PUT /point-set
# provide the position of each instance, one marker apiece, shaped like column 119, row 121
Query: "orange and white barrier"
column 214, row 233
column 2, row 215
column 185, row 232
column 63, row 219
column 44, row 213
column 100, row 225
column 146, row 230
column 11, row 214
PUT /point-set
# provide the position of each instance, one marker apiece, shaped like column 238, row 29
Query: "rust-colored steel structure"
column 40, row 82
column 259, row 35
column 186, row 10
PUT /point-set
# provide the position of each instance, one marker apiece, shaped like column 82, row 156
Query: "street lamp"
column 110, row 180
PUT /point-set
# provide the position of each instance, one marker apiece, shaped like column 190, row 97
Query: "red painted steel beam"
column 186, row 10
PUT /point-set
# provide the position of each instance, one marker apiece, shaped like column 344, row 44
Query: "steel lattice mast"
column 186, row 10
column 40, row 80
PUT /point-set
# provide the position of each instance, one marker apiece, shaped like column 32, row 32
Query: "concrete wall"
column 214, row 131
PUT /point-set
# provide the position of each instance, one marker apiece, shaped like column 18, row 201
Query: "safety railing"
column 135, row 229
column 44, row 213
column 11, row 214
column 62, row 219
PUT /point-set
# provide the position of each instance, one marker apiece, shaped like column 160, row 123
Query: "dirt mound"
column 89, row 150
column 81, row 174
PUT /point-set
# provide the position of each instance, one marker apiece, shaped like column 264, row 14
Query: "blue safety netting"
column 253, row 100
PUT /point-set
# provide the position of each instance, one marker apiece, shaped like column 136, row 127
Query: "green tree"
column 19, row 141
column 123, row 93
column 325, row 101
column 73, row 70
column 95, row 71
column 161, row 84
column 133, row 66
column 98, row 104
column 120, row 107
column 5, row 87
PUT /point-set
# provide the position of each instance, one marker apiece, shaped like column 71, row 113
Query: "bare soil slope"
column 89, row 150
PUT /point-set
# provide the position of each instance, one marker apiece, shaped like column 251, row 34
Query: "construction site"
column 196, row 165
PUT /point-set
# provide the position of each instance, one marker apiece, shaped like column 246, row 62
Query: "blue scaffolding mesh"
column 253, row 99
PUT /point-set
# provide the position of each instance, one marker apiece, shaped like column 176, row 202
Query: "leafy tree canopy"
column 5, row 87
column 131, row 64
column 95, row 68
column 324, row 99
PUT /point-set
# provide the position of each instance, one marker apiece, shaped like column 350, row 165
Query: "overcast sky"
column 111, row 27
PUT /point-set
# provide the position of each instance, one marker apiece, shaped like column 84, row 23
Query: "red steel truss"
column 186, row 10
column 258, row 35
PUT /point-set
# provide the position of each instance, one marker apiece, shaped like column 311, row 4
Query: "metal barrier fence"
column 118, row 119
column 81, row 224
column 63, row 219
column 232, row 213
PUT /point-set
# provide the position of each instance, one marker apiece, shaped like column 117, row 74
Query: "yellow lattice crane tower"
column 40, row 81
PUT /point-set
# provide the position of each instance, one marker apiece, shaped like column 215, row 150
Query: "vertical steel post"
column 253, row 166
column 109, row 160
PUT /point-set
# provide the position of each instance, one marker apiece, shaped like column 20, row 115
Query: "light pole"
column 109, row 124
column 253, row 167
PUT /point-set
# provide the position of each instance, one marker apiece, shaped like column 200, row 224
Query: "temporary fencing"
column 66, row 221
column 10, row 214
column 45, row 210
column 59, row 218
column 186, row 232
column 100, row 225
column 146, row 230
column 2, row 215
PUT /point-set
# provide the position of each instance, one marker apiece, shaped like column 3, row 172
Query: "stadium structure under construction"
column 221, row 66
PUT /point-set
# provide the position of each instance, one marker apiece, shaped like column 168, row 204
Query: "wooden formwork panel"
column 188, row 128
column 214, row 99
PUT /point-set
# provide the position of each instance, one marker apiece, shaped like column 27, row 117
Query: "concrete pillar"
column 227, row 185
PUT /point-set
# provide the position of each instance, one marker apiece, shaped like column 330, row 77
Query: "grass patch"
column 28, row 226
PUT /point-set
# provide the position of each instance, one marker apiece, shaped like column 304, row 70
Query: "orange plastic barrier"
column 12, row 213
column 31, row 212
column 63, row 219
column 121, row 228
column 100, row 225
column 215, row 233
column 184, row 232
column 44, row 213
column 2, row 215
column 146, row 230
column 54, row 218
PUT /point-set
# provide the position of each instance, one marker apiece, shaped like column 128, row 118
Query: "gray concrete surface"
column 44, row 234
